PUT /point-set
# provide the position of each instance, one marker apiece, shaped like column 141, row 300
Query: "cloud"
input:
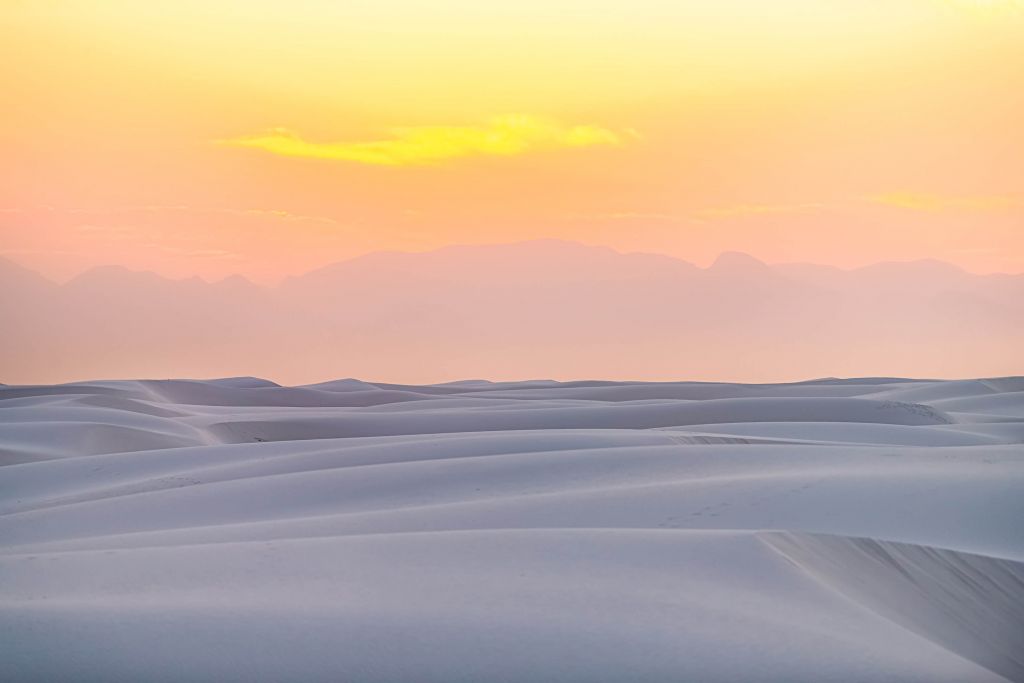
column 193, row 253
column 743, row 210
column 165, row 209
column 507, row 135
column 629, row 216
column 915, row 201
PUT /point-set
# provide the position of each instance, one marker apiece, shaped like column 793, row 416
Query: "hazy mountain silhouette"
column 542, row 308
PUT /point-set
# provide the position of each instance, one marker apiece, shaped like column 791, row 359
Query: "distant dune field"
column 237, row 530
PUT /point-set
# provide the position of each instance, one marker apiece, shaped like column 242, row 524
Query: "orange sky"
column 269, row 137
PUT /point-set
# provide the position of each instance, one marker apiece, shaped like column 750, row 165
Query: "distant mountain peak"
column 738, row 261
column 12, row 273
column 235, row 281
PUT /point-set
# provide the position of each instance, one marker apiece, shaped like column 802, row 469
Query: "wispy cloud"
column 170, row 209
column 652, row 216
column 742, row 210
column 507, row 135
column 911, row 201
column 193, row 253
column 918, row 201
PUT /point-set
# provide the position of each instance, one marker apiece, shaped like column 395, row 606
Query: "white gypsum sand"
column 237, row 530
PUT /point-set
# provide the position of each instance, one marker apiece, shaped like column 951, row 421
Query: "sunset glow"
column 268, row 138
column 387, row 341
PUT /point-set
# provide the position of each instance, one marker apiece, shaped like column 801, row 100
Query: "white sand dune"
column 237, row 530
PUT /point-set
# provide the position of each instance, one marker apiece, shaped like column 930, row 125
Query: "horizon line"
column 7, row 256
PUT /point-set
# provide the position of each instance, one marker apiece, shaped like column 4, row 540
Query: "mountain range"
column 534, row 309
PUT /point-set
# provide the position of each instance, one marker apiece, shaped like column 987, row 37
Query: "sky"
column 272, row 137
